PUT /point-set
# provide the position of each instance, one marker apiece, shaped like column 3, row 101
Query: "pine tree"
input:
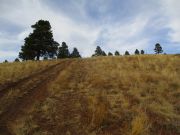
column 99, row 52
column 103, row 53
column 116, row 53
column 158, row 48
column 110, row 54
column 63, row 51
column 39, row 43
column 27, row 50
column 142, row 51
column 6, row 61
column 16, row 60
column 53, row 50
column 75, row 53
column 126, row 53
column 136, row 52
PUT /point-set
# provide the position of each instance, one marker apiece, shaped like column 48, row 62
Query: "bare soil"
column 34, row 88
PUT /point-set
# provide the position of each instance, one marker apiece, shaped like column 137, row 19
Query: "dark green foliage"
column 126, row 53
column 53, row 50
column 75, row 53
column 142, row 51
column 99, row 52
column 16, row 60
column 104, row 54
column 158, row 48
column 63, row 51
column 110, row 54
column 39, row 43
column 136, row 52
column 6, row 61
column 27, row 51
column 116, row 53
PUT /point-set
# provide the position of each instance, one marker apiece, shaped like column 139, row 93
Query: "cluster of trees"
column 40, row 44
column 100, row 52
column 63, row 52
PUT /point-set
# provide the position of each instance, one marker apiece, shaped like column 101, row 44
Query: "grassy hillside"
column 127, row 95
column 11, row 72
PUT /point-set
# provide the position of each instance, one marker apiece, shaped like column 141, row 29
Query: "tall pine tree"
column 75, row 53
column 39, row 43
column 136, row 52
column 110, row 54
column 99, row 52
column 63, row 51
column 126, row 53
column 116, row 53
column 142, row 51
column 158, row 48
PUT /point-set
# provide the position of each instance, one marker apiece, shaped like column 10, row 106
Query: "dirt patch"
column 33, row 88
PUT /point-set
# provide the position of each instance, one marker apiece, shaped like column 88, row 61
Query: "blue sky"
column 112, row 24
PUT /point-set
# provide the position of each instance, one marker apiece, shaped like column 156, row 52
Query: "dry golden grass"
column 127, row 95
column 140, row 125
column 10, row 72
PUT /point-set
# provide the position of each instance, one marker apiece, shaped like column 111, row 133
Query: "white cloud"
column 82, row 35
column 64, row 28
column 126, row 36
column 6, row 54
column 86, row 35
column 6, row 40
column 172, row 11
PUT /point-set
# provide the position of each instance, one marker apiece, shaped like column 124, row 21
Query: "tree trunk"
column 38, row 56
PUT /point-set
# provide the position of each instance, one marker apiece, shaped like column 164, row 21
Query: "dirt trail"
column 67, row 103
column 4, row 88
column 34, row 89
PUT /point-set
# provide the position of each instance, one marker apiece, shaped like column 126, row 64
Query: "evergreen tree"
column 16, row 60
column 63, row 51
column 99, row 52
column 158, row 48
column 116, row 53
column 110, row 54
column 136, row 52
column 27, row 51
column 39, row 43
column 6, row 61
column 103, row 53
column 142, row 51
column 126, row 53
column 75, row 53
column 53, row 50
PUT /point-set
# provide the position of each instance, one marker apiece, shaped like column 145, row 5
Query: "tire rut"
column 33, row 88
column 4, row 88
column 68, row 103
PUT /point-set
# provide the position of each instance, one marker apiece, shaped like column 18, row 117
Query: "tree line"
column 100, row 52
column 41, row 44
